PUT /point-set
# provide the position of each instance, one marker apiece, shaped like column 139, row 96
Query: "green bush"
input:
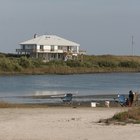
column 130, row 116
column 36, row 62
column 8, row 64
column 88, row 64
column 121, row 116
column 74, row 63
column 15, row 65
column 2, row 55
column 25, row 62
column 5, row 64
column 129, row 64
column 107, row 64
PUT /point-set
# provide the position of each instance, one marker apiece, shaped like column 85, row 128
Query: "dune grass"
column 84, row 64
column 130, row 116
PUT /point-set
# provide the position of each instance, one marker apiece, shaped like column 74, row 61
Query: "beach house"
column 49, row 47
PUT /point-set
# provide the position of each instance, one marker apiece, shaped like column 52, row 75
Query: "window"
column 23, row 47
column 52, row 55
column 52, row 48
column 60, row 47
column 41, row 47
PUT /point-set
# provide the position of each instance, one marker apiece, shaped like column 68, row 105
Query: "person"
column 131, row 97
column 135, row 99
column 127, row 102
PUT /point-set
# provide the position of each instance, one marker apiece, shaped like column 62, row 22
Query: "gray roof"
column 50, row 40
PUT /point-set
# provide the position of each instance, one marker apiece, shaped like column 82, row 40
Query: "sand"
column 63, row 124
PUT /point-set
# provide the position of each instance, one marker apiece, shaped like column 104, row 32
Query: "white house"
column 49, row 47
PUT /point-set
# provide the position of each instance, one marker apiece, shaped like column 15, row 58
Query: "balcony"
column 25, row 50
column 49, row 51
column 45, row 51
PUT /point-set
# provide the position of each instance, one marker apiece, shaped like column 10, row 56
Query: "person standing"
column 131, row 97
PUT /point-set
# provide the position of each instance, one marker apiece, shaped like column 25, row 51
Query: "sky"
column 99, row 26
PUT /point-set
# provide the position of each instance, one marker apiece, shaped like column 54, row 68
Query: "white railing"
column 25, row 50
column 45, row 50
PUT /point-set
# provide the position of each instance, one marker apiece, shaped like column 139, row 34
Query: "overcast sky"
column 99, row 26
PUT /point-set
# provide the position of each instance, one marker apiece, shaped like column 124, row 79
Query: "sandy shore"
column 63, row 124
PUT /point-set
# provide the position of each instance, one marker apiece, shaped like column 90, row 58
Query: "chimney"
column 35, row 35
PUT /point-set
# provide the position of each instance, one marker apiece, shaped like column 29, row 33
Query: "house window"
column 23, row 47
column 60, row 47
column 52, row 48
column 41, row 47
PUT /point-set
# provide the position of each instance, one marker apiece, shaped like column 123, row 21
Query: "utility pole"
column 132, row 45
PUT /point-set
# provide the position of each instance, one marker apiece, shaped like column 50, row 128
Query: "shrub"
column 2, row 55
column 74, row 63
column 8, row 64
column 88, row 64
column 129, row 64
column 5, row 64
column 104, row 63
column 15, row 65
column 25, row 62
column 36, row 62
column 121, row 116
column 130, row 116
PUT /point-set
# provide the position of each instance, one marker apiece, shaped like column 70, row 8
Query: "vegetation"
column 130, row 116
column 15, row 105
column 84, row 64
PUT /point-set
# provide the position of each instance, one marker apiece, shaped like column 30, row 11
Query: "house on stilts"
column 50, row 47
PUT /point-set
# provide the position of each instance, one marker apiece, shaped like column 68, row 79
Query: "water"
column 14, row 87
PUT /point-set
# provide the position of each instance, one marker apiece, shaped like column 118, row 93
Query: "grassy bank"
column 84, row 64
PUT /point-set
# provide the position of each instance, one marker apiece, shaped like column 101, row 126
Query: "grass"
column 130, row 116
column 85, row 64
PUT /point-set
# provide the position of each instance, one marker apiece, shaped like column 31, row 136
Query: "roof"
column 49, row 40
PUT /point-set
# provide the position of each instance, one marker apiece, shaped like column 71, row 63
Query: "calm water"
column 85, row 84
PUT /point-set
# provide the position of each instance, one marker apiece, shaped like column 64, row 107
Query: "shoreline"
column 56, row 101
column 73, row 104
column 67, row 73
